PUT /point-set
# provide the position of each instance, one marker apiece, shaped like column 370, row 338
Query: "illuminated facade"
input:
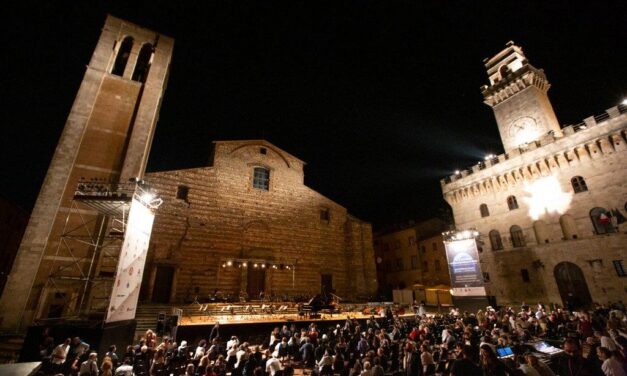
column 247, row 223
column 550, row 210
column 106, row 138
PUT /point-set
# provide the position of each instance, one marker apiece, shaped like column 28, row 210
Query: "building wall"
column 539, row 175
column 224, row 218
column 411, row 256
column 107, row 137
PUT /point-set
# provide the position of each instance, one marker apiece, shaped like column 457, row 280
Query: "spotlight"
column 254, row 266
column 456, row 172
column 147, row 196
column 263, row 265
column 224, row 265
column 624, row 102
column 229, row 263
column 287, row 267
column 244, row 264
column 274, row 267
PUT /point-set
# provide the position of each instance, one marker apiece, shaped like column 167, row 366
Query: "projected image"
column 545, row 196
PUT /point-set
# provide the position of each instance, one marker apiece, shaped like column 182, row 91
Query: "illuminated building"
column 413, row 258
column 247, row 223
column 106, row 139
column 549, row 210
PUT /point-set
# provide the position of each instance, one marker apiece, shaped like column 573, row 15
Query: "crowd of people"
column 594, row 343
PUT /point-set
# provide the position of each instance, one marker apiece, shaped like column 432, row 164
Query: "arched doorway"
column 572, row 285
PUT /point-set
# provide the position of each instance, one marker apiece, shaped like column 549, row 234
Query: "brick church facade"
column 248, row 223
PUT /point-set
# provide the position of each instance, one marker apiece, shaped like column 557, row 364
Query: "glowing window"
column 261, row 178
column 483, row 209
column 579, row 184
column 122, row 58
column 512, row 203
column 495, row 240
column 518, row 238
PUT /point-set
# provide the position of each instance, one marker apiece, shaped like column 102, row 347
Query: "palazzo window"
column 518, row 238
column 602, row 221
column 261, row 178
column 579, row 184
column 495, row 240
column 512, row 203
column 483, row 209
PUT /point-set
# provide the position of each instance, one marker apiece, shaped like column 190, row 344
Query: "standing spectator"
column 126, row 369
column 490, row 364
column 90, row 366
column 610, row 366
column 113, row 356
column 59, row 355
column 464, row 366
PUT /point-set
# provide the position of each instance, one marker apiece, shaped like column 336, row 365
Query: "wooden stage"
column 254, row 321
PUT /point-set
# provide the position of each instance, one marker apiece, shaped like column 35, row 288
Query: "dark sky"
column 381, row 99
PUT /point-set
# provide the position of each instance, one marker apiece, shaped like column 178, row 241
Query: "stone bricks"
column 224, row 218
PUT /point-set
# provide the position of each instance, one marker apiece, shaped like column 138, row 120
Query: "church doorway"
column 572, row 285
column 163, row 284
column 256, row 282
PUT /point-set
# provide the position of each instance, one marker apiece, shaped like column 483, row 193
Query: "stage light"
column 624, row 102
column 263, row 265
column 287, row 267
column 244, row 264
column 546, row 197
column 456, row 172
column 224, row 265
column 148, row 196
column 255, row 265
column 229, row 263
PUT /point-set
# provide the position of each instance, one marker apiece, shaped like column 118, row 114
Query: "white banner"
column 130, row 271
column 464, row 268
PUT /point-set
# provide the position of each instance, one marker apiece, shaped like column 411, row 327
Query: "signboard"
column 464, row 268
column 130, row 271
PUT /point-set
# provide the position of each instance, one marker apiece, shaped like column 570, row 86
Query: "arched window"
column 569, row 227
column 518, row 238
column 261, row 178
column 512, row 203
column 144, row 59
column 483, row 209
column 122, row 58
column 495, row 240
column 602, row 221
column 579, row 184
column 541, row 231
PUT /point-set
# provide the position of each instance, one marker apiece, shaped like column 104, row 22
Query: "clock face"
column 524, row 130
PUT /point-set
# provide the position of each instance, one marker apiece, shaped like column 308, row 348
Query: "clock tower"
column 518, row 95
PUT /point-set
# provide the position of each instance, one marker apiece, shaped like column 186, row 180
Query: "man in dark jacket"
column 572, row 363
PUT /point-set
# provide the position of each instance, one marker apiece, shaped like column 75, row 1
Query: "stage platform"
column 254, row 321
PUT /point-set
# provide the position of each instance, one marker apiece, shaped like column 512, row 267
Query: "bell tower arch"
column 517, row 93
column 107, row 137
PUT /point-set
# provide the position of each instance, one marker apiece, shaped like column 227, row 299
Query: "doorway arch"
column 572, row 285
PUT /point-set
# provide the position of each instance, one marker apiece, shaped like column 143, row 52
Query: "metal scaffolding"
column 84, row 264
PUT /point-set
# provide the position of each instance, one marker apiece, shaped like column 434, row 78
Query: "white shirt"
column 608, row 343
column 60, row 353
column 272, row 366
column 612, row 367
column 231, row 343
column 528, row 370
column 124, row 370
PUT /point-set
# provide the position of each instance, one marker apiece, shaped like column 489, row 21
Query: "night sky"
column 381, row 99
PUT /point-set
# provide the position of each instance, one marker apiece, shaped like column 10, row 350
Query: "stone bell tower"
column 518, row 95
column 107, row 137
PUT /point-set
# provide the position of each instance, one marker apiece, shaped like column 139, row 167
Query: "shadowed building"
column 412, row 257
column 550, row 210
column 13, row 220
column 247, row 223
column 106, row 139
